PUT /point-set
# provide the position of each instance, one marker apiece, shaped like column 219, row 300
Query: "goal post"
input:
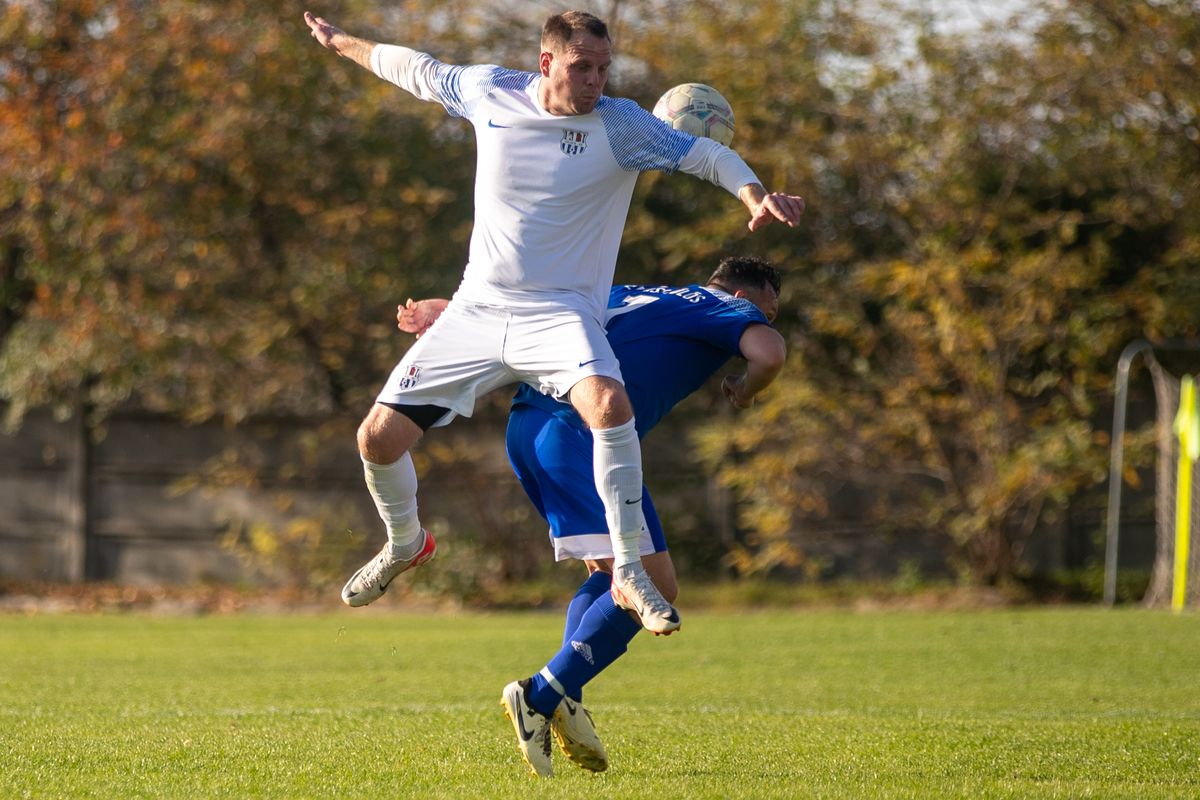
column 1177, row 512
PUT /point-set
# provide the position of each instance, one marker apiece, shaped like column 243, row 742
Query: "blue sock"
column 602, row 636
column 597, row 584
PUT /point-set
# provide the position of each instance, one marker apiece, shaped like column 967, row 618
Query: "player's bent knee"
column 602, row 402
column 385, row 435
column 366, row 439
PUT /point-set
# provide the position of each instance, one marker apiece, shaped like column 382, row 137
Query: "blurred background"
column 206, row 224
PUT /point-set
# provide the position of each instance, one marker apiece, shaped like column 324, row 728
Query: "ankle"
column 409, row 549
column 628, row 571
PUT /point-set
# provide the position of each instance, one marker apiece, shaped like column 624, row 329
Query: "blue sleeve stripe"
column 461, row 87
column 641, row 141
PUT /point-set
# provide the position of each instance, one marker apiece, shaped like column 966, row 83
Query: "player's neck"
column 547, row 102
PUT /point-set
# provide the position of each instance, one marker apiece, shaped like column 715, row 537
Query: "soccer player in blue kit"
column 556, row 164
column 669, row 341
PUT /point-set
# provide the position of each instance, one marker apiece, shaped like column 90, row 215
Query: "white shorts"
column 472, row 349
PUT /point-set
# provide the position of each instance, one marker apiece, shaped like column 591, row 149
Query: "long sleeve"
column 716, row 163
column 411, row 70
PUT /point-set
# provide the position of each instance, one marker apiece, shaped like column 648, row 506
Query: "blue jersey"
column 669, row 341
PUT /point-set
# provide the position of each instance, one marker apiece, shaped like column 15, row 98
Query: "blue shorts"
column 553, row 461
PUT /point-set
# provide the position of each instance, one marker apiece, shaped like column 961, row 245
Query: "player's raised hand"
column 321, row 30
column 786, row 208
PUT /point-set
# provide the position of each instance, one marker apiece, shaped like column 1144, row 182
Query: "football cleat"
column 575, row 733
column 372, row 579
column 533, row 728
column 638, row 594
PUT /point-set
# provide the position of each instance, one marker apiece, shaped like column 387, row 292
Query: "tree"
column 1042, row 197
column 204, row 213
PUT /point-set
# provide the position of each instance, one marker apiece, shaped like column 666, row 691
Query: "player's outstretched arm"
column 718, row 164
column 767, row 207
column 764, row 351
column 334, row 38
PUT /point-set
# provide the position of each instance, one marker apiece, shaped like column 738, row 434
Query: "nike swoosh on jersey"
column 492, row 124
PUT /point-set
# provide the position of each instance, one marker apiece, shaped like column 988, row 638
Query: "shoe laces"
column 378, row 565
column 646, row 595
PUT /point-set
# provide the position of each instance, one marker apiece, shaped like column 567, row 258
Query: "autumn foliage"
column 203, row 213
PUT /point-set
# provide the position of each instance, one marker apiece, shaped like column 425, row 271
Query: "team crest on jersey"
column 411, row 376
column 573, row 142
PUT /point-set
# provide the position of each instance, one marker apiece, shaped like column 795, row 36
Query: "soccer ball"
column 697, row 109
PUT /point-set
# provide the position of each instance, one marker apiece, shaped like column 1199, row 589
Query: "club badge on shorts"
column 411, row 376
column 573, row 142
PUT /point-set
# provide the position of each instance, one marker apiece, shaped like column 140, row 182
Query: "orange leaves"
column 995, row 224
column 156, row 185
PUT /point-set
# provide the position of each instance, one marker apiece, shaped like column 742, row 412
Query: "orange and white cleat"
column 632, row 589
column 372, row 579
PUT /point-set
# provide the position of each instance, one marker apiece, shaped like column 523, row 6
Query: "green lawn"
column 370, row 703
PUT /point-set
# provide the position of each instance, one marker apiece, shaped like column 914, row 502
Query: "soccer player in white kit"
column 557, row 163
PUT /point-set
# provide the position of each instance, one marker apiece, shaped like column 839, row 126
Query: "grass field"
column 1032, row 703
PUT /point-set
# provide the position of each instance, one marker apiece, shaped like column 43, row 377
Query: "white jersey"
column 551, row 192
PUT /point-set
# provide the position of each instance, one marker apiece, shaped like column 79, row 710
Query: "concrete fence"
column 147, row 500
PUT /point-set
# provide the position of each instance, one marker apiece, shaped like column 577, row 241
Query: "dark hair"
column 745, row 272
column 559, row 29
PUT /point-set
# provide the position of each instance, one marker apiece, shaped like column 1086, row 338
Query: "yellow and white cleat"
column 575, row 732
column 533, row 728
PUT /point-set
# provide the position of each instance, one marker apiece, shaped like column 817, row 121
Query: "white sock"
column 393, row 487
column 617, row 464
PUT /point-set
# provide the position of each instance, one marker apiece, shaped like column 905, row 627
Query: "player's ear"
column 544, row 62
